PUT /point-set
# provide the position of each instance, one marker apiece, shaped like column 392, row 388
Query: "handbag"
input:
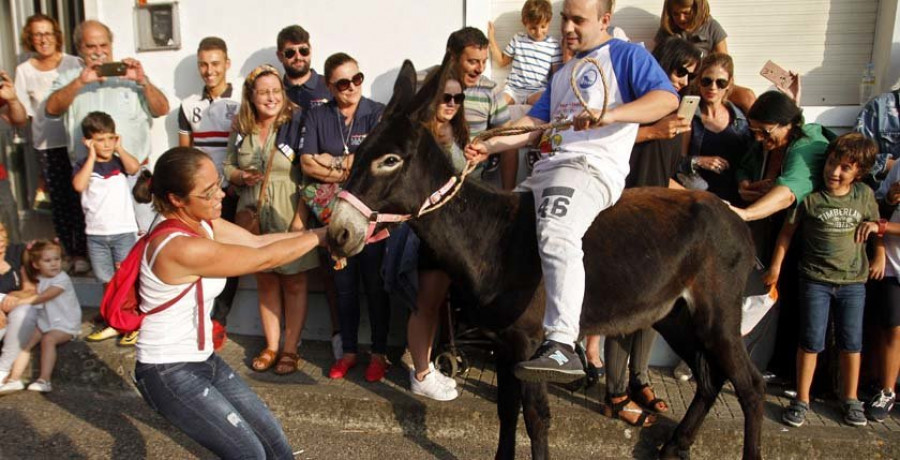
column 248, row 217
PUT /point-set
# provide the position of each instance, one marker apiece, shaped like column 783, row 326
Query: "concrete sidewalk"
column 94, row 412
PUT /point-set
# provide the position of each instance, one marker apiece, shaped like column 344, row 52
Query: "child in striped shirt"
column 533, row 55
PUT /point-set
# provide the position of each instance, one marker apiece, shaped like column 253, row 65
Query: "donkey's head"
column 397, row 167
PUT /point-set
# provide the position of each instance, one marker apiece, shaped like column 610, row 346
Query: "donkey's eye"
column 386, row 164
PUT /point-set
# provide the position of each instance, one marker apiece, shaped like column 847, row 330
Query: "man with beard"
column 304, row 86
column 130, row 99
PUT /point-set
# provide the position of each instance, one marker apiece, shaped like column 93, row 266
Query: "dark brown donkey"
column 671, row 259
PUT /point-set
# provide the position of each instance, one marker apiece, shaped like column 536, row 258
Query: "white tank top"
column 170, row 336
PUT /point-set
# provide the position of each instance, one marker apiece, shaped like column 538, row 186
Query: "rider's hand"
column 476, row 152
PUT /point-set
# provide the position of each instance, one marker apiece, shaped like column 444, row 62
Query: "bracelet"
column 882, row 226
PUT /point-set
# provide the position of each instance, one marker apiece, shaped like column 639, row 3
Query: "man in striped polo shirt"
column 204, row 122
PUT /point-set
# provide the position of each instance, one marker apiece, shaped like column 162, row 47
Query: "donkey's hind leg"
column 677, row 331
column 509, row 400
column 732, row 358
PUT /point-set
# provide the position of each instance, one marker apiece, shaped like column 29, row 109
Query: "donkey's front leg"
column 536, row 410
column 509, row 400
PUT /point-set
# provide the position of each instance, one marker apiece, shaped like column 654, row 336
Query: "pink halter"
column 375, row 218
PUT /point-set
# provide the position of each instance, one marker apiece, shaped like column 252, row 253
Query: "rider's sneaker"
column 431, row 387
column 553, row 362
column 879, row 407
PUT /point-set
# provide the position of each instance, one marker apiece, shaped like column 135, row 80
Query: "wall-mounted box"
column 157, row 26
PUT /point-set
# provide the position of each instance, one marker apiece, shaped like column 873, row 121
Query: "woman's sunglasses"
column 720, row 82
column 457, row 98
column 682, row 71
column 291, row 52
column 344, row 83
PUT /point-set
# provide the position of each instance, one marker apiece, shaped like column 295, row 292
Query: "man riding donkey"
column 582, row 170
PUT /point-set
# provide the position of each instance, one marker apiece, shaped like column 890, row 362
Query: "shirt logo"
column 230, row 111
column 588, row 79
column 357, row 139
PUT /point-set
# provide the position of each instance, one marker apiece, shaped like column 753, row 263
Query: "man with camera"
column 120, row 89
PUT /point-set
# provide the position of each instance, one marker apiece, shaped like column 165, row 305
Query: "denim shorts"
column 106, row 251
column 848, row 302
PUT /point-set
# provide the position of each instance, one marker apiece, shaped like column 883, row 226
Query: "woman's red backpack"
column 119, row 306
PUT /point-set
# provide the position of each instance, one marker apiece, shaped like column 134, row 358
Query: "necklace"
column 345, row 141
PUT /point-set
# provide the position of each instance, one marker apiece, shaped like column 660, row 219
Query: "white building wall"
column 379, row 34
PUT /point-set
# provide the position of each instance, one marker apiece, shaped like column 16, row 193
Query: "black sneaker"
column 553, row 362
column 880, row 406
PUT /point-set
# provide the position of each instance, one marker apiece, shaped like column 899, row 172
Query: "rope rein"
column 516, row 130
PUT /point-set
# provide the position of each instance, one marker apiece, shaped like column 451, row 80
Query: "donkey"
column 675, row 260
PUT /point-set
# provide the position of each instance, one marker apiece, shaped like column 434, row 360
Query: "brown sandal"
column 287, row 363
column 645, row 396
column 264, row 360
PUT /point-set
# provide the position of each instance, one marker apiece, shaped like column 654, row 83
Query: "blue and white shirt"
column 532, row 61
column 107, row 204
column 631, row 72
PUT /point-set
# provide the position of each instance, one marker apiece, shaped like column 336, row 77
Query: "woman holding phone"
column 260, row 163
column 720, row 134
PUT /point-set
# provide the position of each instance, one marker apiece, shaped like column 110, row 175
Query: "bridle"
column 444, row 194
column 434, row 202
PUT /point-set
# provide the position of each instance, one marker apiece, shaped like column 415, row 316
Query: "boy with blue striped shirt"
column 533, row 55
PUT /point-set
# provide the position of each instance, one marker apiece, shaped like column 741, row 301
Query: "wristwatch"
column 882, row 226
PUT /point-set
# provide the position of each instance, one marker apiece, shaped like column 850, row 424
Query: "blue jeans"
column 106, row 251
column 212, row 404
column 365, row 265
column 816, row 299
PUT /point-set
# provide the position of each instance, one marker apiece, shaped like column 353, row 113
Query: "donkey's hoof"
column 669, row 452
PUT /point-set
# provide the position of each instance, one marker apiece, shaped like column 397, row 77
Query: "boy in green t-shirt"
column 833, row 269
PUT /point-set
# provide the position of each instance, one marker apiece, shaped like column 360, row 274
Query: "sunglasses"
column 720, row 82
column 289, row 53
column 682, row 71
column 457, row 98
column 764, row 132
column 343, row 84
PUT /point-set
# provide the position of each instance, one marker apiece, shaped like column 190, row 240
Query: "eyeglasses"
column 720, row 82
column 343, row 84
column 269, row 92
column 40, row 35
column 764, row 132
column 208, row 196
column 289, row 53
column 682, row 71
column 457, row 98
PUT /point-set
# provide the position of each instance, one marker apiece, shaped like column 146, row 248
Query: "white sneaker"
column 446, row 380
column 42, row 386
column 11, row 387
column 337, row 346
column 431, row 387
column 3, row 376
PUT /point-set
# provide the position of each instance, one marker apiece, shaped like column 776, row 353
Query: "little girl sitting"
column 59, row 313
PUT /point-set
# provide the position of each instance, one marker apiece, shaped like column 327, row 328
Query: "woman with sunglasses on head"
column 691, row 20
column 448, row 125
column 262, row 153
column 332, row 133
column 720, row 134
column 654, row 157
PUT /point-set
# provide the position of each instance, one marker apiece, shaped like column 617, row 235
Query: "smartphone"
column 688, row 107
column 112, row 69
column 777, row 75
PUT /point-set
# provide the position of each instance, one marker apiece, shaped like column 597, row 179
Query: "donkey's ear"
column 404, row 90
column 422, row 106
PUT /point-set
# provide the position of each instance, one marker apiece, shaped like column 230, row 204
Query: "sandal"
column 264, row 360
column 644, row 395
column 615, row 410
column 287, row 363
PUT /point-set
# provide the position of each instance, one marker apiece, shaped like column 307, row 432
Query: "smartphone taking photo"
column 688, row 107
column 777, row 75
column 112, row 69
